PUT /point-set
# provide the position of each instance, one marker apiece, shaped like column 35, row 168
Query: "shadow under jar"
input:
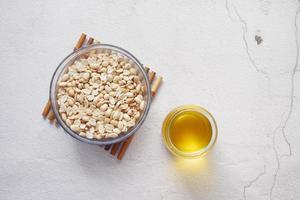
column 83, row 53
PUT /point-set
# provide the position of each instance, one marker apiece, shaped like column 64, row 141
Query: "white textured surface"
column 207, row 53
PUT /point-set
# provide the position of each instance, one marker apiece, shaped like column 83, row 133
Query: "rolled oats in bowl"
column 101, row 94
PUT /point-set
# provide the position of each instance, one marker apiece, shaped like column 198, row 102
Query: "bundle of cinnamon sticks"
column 120, row 148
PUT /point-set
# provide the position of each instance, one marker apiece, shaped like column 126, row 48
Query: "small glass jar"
column 167, row 127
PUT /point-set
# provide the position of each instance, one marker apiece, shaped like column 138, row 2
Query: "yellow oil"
column 190, row 131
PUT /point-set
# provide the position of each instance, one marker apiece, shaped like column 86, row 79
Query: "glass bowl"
column 81, row 53
column 169, row 121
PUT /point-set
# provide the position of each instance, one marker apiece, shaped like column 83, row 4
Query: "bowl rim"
column 57, row 74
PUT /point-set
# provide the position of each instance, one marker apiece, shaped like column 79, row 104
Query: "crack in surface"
column 283, row 123
column 292, row 92
column 228, row 11
column 277, row 158
column 291, row 107
column 245, row 30
column 254, row 180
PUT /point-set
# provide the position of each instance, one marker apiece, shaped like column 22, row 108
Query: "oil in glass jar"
column 189, row 131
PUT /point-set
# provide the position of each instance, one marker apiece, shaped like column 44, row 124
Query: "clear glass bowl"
column 81, row 53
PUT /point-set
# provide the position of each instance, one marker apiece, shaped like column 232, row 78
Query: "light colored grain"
column 100, row 96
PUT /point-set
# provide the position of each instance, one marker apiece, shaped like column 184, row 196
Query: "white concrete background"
column 207, row 53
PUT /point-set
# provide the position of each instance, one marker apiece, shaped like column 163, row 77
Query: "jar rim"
column 169, row 120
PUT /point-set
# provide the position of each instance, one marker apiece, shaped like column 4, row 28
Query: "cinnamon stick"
column 155, row 85
column 46, row 109
column 80, row 42
column 51, row 116
column 151, row 76
column 124, row 147
column 115, row 148
column 90, row 41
